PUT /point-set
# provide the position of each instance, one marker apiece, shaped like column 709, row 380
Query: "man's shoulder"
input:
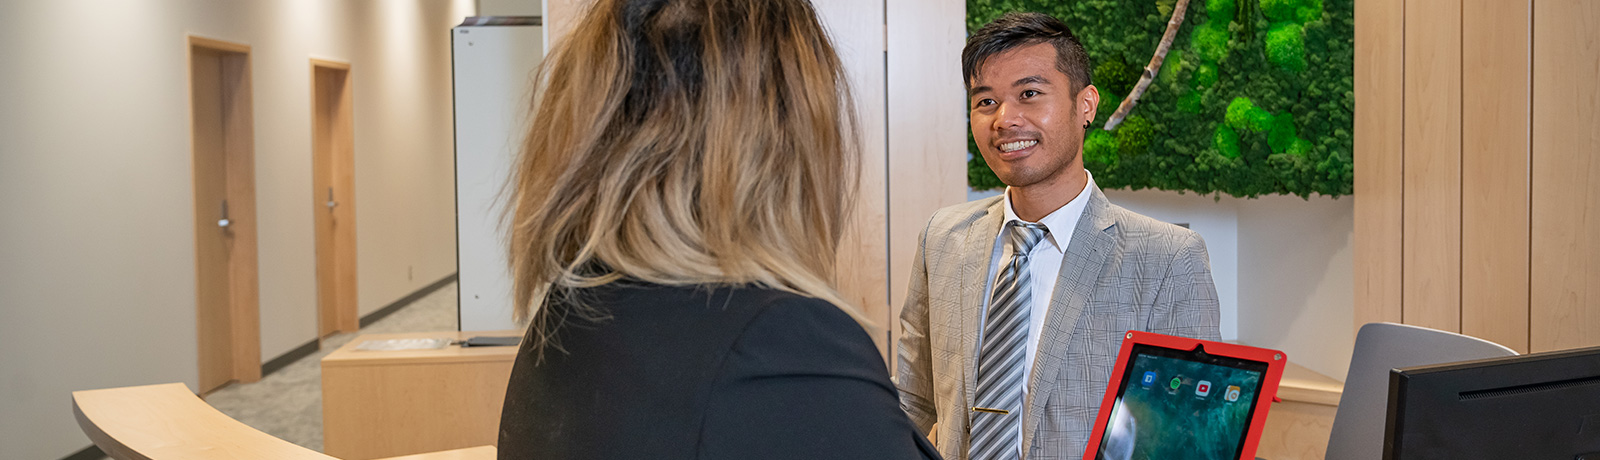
column 1153, row 233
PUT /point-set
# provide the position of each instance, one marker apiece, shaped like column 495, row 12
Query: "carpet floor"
column 288, row 403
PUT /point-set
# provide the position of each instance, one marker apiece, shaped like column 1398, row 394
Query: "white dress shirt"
column 1044, row 266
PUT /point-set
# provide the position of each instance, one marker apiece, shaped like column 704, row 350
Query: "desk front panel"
column 379, row 404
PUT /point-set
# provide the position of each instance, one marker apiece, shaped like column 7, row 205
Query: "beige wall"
column 96, row 231
column 927, row 167
column 405, row 186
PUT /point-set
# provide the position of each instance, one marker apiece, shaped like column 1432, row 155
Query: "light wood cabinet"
column 379, row 404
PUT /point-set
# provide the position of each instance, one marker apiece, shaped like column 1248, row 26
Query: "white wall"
column 1282, row 265
column 96, row 231
column 510, row 7
column 1297, row 281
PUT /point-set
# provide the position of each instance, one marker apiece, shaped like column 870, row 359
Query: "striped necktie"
column 998, row 415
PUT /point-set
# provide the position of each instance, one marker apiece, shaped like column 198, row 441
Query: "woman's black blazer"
column 705, row 372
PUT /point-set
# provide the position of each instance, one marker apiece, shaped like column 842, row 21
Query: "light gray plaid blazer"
column 1122, row 271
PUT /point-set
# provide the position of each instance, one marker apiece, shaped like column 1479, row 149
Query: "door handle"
column 224, row 222
column 331, row 203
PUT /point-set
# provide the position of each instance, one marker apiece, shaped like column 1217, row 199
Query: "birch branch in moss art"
column 1151, row 69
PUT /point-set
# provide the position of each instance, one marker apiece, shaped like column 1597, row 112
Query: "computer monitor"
column 1537, row 406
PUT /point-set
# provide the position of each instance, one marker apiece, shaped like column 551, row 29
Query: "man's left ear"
column 1089, row 101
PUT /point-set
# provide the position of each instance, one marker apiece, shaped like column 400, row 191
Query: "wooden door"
column 332, row 196
column 227, row 296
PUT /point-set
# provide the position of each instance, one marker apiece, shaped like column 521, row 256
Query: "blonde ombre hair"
column 684, row 142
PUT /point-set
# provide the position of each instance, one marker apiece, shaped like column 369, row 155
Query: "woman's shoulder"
column 715, row 316
column 746, row 302
column 768, row 303
column 805, row 380
column 790, row 333
column 775, row 311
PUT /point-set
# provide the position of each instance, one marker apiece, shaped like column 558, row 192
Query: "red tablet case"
column 1269, row 383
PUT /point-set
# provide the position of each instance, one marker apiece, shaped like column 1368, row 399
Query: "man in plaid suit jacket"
column 1113, row 270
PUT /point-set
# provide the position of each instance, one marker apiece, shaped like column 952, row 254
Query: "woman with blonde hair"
column 675, row 215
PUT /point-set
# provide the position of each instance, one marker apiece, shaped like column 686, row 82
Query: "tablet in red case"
column 1175, row 397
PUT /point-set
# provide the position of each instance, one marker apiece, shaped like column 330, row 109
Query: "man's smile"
column 1009, row 147
column 1016, row 149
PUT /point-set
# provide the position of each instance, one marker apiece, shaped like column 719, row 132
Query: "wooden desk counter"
column 1298, row 427
column 379, row 404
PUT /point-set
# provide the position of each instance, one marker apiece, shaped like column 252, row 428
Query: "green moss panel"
column 1255, row 97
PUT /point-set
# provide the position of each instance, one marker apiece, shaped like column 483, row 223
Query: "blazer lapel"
column 1080, row 271
column 974, row 277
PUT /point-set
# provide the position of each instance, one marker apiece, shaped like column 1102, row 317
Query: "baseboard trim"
column 407, row 300
column 310, row 348
column 92, row 452
column 289, row 357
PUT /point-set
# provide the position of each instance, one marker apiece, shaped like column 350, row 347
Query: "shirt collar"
column 1064, row 218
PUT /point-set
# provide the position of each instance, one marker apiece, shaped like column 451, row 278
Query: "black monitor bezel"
column 1489, row 375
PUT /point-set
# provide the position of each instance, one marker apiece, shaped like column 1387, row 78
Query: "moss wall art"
column 1254, row 97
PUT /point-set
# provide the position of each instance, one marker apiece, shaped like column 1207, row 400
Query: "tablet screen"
column 1182, row 404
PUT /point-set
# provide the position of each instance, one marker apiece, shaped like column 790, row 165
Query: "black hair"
column 1015, row 30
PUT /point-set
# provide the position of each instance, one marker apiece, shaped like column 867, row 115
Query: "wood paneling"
column 1495, row 44
column 333, row 177
column 1431, row 253
column 1566, row 193
column 1379, row 123
column 559, row 17
column 927, row 129
column 856, row 29
column 1498, row 197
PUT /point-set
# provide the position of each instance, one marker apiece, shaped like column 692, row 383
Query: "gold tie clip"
column 992, row 411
